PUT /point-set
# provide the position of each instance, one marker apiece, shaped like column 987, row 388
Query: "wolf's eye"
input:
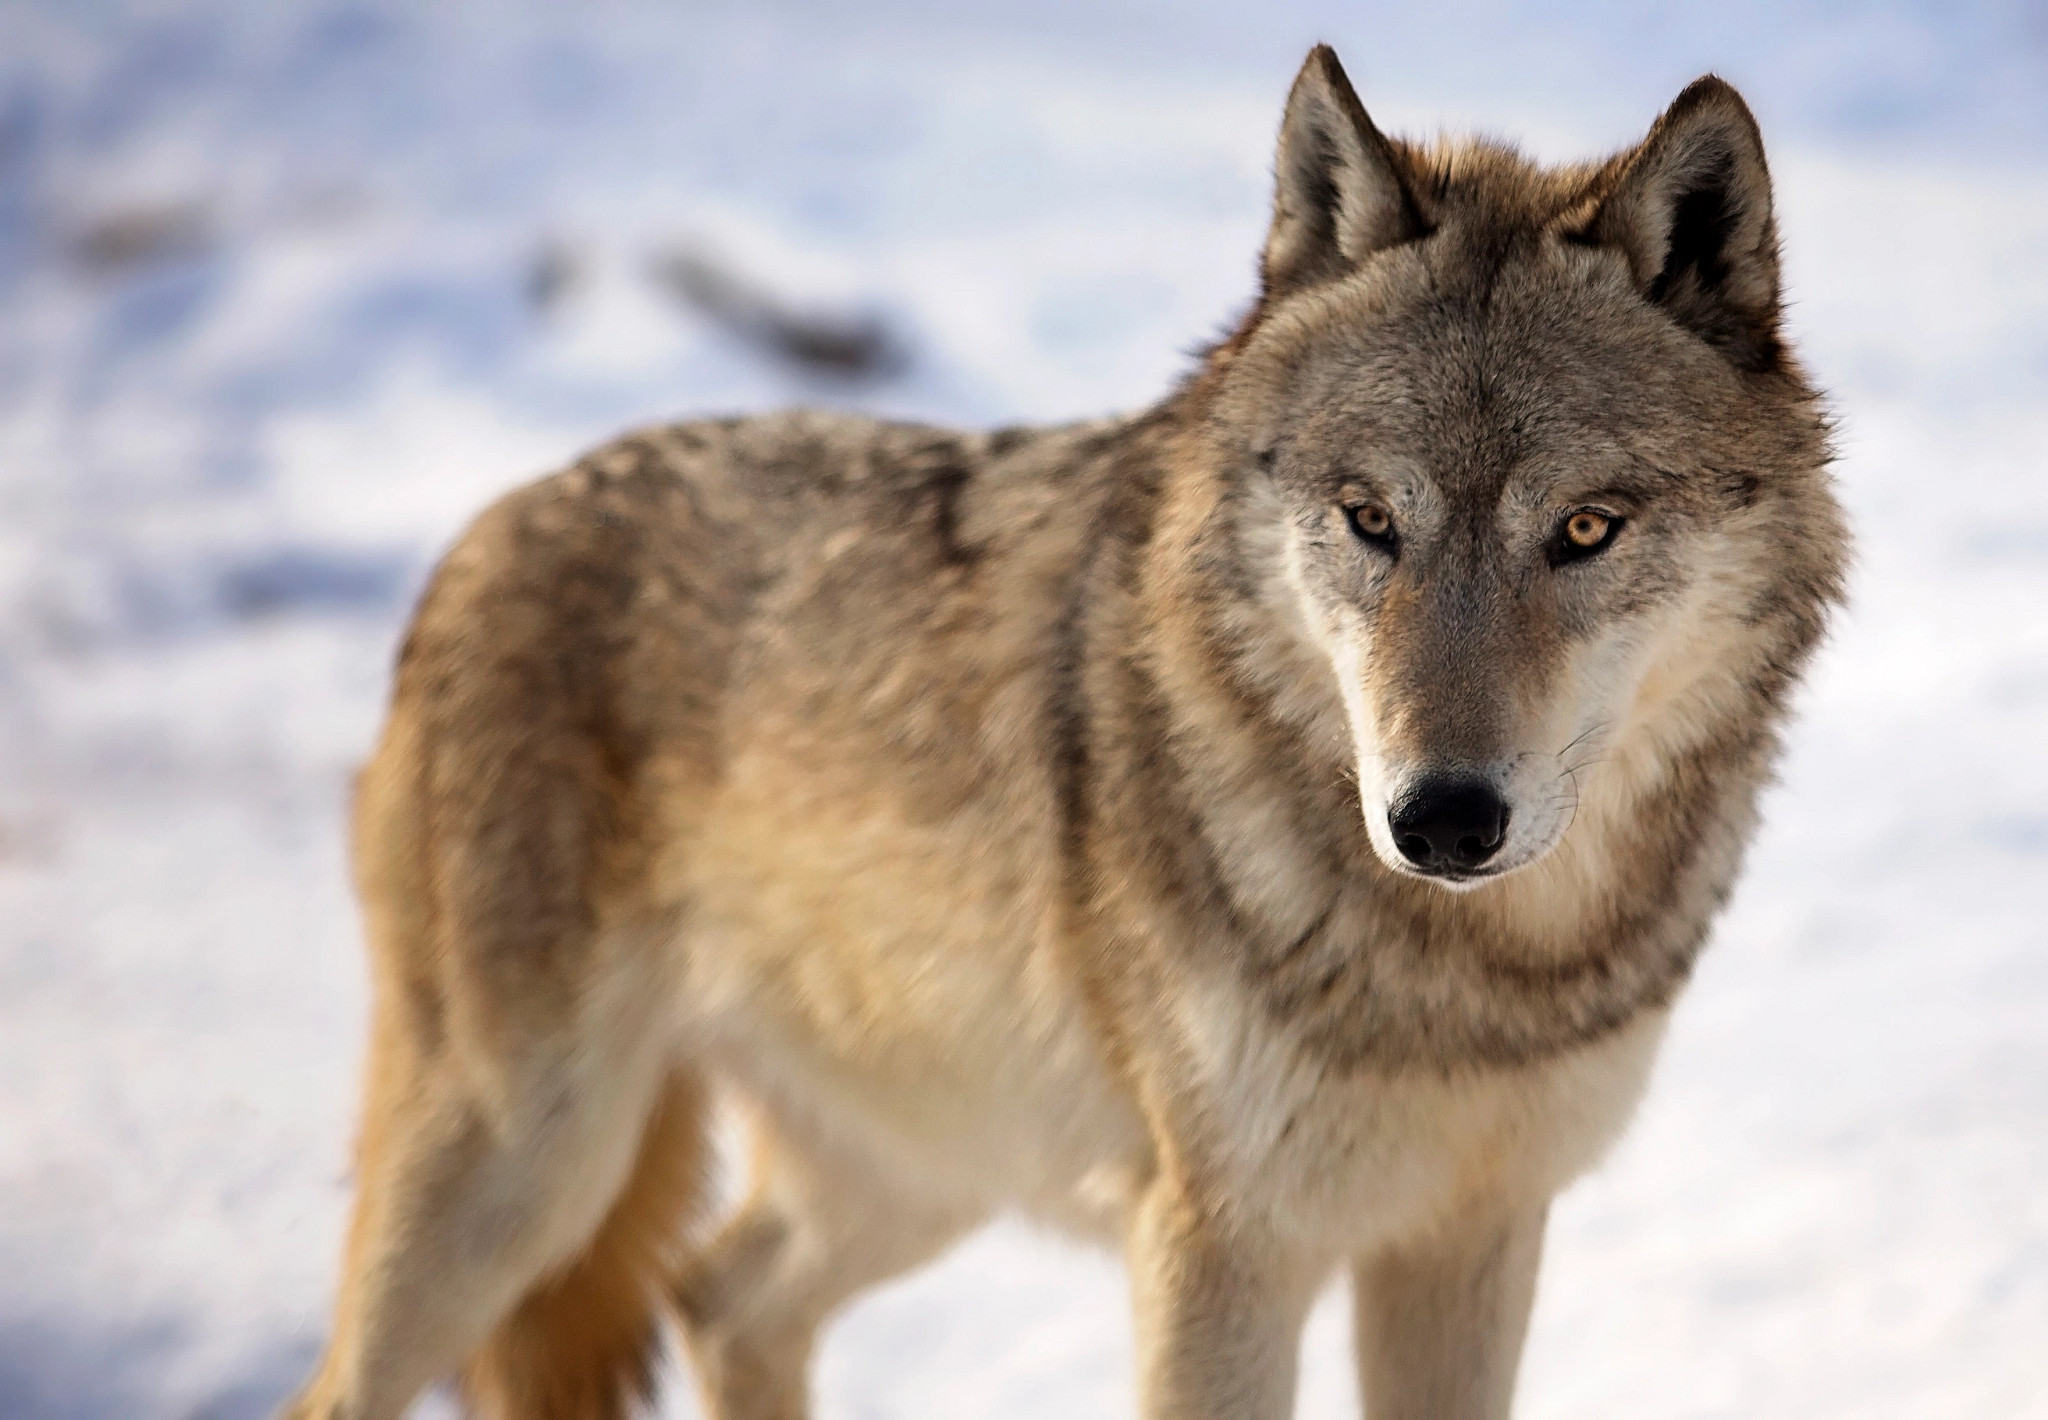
column 1586, row 532
column 1371, row 523
column 1587, row 528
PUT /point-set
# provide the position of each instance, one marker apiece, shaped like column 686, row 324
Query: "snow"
column 226, row 462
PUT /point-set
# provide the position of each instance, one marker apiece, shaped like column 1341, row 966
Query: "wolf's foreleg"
column 1440, row 1323
column 1220, row 1305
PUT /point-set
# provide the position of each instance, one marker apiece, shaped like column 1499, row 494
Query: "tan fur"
column 1010, row 819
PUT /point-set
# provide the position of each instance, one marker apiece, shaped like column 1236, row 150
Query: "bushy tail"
column 585, row 1342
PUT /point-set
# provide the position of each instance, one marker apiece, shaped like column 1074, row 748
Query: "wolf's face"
column 1514, row 437
column 1492, row 542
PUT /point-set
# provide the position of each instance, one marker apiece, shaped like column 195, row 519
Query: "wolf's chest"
column 1352, row 1157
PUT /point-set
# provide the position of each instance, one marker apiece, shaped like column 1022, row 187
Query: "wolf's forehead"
column 1460, row 414
column 1472, row 388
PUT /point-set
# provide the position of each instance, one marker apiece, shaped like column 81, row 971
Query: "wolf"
column 1266, row 834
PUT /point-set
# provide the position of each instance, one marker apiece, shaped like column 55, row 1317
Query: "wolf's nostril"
column 1449, row 822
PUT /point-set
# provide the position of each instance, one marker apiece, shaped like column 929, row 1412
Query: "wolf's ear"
column 1339, row 191
column 1692, row 212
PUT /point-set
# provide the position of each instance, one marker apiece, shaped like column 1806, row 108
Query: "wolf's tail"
column 585, row 1341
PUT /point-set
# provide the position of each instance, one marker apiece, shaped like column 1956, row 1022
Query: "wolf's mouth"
column 1458, row 877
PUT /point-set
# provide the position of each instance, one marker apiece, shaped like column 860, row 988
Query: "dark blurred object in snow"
column 143, row 236
column 302, row 578
column 847, row 344
column 557, row 269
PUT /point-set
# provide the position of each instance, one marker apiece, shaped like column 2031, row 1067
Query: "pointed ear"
column 1339, row 192
column 1691, row 210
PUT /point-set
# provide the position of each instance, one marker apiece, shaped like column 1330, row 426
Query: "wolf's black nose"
column 1449, row 822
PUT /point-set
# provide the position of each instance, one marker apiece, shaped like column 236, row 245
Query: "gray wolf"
column 1266, row 833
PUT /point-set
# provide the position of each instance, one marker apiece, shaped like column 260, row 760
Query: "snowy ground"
column 267, row 336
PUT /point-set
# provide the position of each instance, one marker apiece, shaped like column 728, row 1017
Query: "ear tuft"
column 1339, row 192
column 1691, row 210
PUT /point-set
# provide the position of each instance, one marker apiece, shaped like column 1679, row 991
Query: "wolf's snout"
column 1449, row 823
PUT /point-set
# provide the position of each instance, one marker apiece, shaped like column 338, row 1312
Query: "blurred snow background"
column 287, row 290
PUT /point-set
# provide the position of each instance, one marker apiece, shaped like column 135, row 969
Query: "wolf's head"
column 1529, row 464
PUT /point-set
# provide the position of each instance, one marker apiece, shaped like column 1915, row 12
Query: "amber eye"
column 1587, row 531
column 1370, row 522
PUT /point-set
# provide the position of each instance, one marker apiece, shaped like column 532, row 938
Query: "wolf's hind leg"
column 529, row 1149
column 818, row 1226
column 531, row 1136
column 528, row 1244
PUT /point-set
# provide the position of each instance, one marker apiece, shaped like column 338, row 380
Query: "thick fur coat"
column 1267, row 833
